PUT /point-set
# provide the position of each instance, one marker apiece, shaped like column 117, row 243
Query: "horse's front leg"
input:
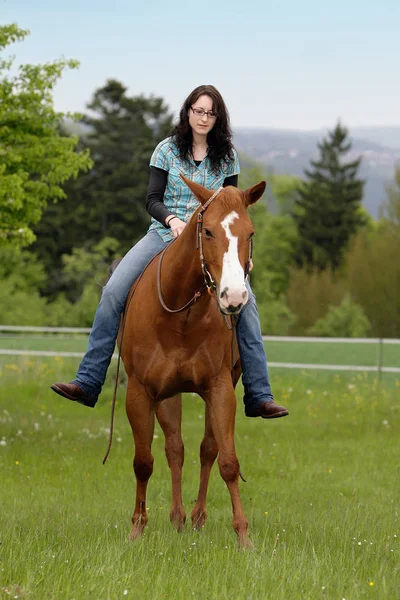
column 140, row 411
column 169, row 415
column 222, row 406
column 208, row 454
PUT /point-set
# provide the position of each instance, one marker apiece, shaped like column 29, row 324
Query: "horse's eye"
column 208, row 233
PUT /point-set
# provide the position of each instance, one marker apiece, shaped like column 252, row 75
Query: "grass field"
column 277, row 351
column 322, row 496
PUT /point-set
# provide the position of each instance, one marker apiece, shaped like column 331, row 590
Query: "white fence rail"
column 31, row 329
column 272, row 338
column 380, row 342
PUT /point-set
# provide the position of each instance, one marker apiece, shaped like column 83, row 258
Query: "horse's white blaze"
column 232, row 285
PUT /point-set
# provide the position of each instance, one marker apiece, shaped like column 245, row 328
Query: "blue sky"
column 281, row 63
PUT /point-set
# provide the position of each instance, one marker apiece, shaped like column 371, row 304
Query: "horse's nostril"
column 224, row 292
column 234, row 309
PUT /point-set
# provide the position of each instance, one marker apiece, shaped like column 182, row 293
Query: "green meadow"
column 278, row 351
column 321, row 495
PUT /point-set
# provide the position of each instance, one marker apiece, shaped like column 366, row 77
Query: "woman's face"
column 202, row 123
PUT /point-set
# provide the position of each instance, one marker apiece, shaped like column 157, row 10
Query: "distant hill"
column 285, row 151
column 386, row 136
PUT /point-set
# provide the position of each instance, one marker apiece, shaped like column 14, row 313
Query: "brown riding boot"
column 73, row 392
column 266, row 410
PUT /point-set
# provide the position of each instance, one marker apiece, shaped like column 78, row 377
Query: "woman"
column 200, row 147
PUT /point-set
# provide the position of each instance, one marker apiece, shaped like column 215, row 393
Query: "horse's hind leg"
column 140, row 411
column 208, row 454
column 169, row 415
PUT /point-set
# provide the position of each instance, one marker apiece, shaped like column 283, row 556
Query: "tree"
column 374, row 267
column 273, row 250
column 346, row 320
column 34, row 158
column 309, row 295
column 284, row 191
column 281, row 190
column 390, row 210
column 327, row 210
column 121, row 132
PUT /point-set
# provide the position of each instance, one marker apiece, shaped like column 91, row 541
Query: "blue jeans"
column 93, row 367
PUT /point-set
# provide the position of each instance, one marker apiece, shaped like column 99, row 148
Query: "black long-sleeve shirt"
column 155, row 193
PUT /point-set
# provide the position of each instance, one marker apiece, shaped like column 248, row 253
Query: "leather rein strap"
column 208, row 280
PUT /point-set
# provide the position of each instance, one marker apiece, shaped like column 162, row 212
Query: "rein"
column 160, row 296
column 208, row 280
column 209, row 283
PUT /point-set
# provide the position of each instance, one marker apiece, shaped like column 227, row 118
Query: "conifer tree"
column 328, row 211
column 121, row 132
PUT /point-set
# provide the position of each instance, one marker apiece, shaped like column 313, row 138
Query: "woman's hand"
column 177, row 226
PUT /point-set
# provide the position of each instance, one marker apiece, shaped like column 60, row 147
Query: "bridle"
column 209, row 283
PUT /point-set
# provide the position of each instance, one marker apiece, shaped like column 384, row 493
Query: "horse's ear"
column 202, row 194
column 254, row 193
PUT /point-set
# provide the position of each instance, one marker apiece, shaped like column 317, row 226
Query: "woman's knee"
column 113, row 295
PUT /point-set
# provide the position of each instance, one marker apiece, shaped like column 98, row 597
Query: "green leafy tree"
column 273, row 249
column 346, row 320
column 310, row 294
column 281, row 191
column 21, row 276
column 89, row 265
column 121, row 132
column 284, row 190
column 20, row 306
column 327, row 211
column 390, row 209
column 35, row 160
column 374, row 267
column 22, row 268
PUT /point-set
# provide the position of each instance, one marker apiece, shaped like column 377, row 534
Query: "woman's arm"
column 155, row 195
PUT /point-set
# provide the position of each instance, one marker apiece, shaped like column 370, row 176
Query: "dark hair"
column 220, row 147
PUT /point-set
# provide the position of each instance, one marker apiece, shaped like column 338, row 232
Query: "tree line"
column 69, row 204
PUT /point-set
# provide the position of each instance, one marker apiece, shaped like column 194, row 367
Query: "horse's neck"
column 181, row 269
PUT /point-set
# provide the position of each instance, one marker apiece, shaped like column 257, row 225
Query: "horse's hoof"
column 178, row 525
column 137, row 529
column 198, row 520
column 136, row 534
column 245, row 543
column 178, row 520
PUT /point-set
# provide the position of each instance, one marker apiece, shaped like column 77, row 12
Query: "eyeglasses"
column 200, row 112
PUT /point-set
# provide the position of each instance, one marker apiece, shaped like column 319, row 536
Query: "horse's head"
column 226, row 234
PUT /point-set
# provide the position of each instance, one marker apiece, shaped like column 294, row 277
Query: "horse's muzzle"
column 231, row 302
column 231, row 310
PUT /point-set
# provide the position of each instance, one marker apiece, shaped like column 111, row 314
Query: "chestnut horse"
column 171, row 345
